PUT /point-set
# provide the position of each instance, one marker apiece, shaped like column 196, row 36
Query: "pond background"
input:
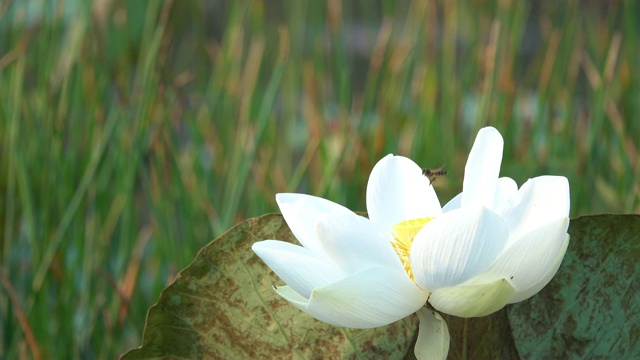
column 132, row 133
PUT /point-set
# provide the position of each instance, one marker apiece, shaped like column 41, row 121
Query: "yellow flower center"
column 403, row 235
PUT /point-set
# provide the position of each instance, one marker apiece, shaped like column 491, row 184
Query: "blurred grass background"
column 134, row 132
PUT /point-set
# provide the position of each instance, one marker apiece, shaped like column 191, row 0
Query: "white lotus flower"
column 491, row 245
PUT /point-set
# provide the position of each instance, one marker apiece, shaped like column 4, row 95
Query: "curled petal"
column 371, row 298
column 457, row 246
column 482, row 169
column 544, row 280
column 433, row 336
column 398, row 191
column 301, row 213
column 297, row 266
column 353, row 243
column 473, row 300
column 539, row 201
column 532, row 256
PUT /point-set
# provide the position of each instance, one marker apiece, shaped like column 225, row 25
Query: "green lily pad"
column 223, row 306
column 487, row 337
column 591, row 308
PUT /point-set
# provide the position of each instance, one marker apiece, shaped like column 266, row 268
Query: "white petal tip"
column 433, row 336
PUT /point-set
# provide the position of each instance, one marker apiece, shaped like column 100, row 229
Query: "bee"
column 431, row 174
